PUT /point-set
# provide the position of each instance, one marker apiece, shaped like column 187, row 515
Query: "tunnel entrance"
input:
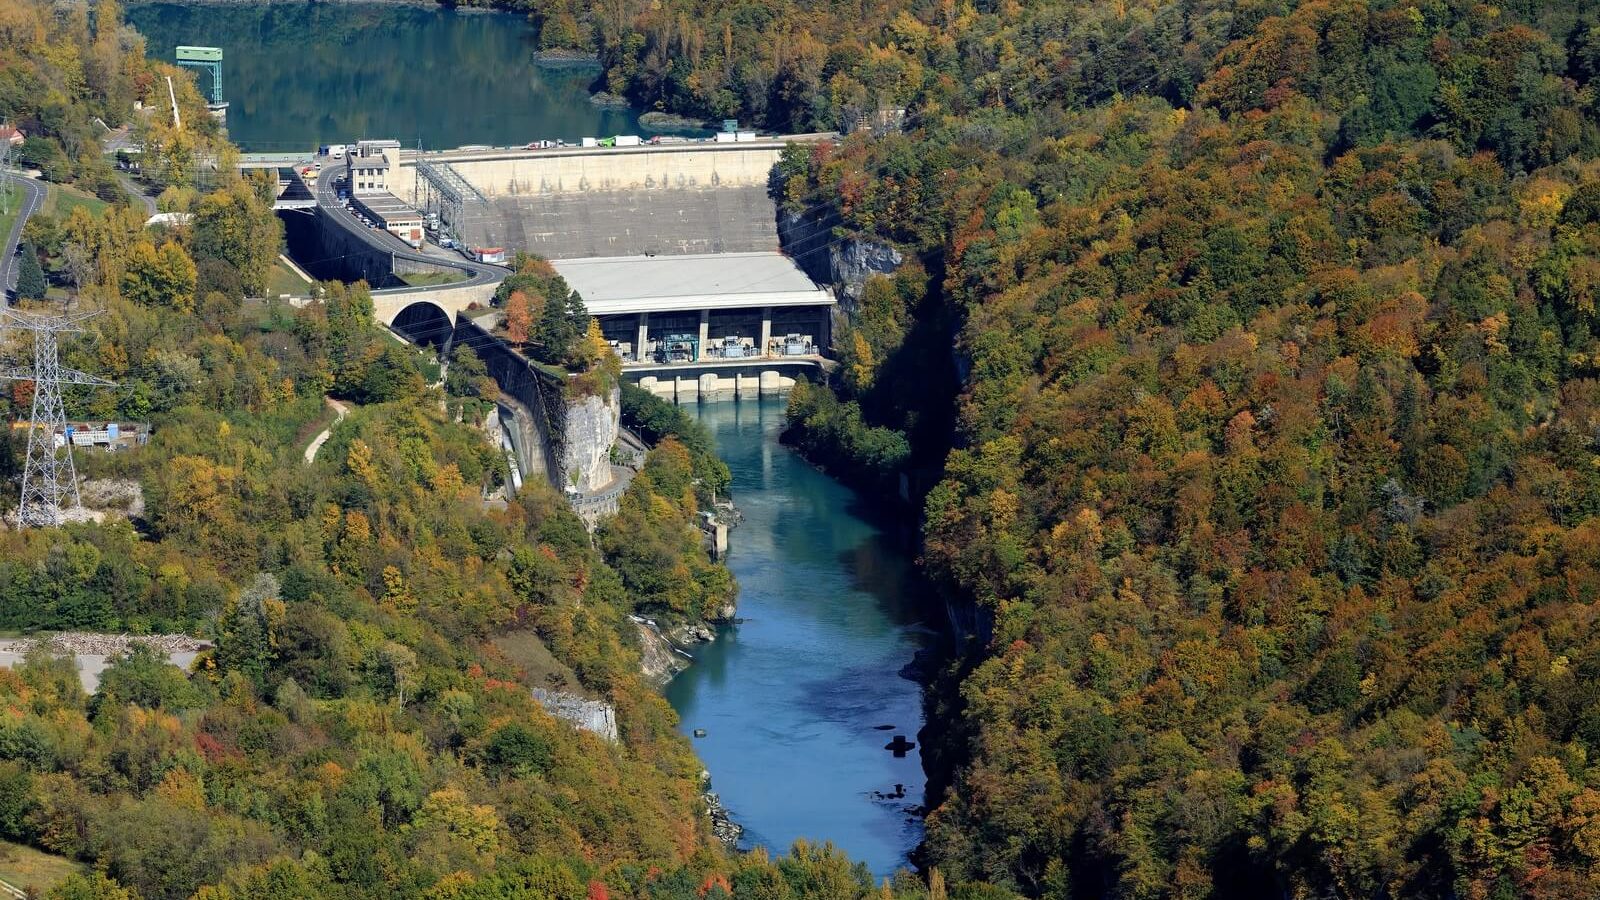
column 425, row 324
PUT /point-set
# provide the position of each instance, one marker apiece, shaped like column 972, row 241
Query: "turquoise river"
column 792, row 699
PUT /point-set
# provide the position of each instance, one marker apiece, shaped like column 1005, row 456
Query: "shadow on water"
column 792, row 699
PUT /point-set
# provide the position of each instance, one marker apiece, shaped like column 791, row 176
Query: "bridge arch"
column 424, row 322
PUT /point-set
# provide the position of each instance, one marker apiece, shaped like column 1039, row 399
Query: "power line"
column 49, row 475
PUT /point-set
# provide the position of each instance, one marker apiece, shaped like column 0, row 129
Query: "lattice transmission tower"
column 49, row 476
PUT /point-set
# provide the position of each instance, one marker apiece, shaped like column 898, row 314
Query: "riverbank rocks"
column 656, row 120
column 659, row 661
column 692, row 633
column 593, row 716
column 723, row 826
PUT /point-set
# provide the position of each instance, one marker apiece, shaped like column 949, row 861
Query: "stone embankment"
column 95, row 652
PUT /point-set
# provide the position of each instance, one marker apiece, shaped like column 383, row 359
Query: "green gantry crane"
column 209, row 59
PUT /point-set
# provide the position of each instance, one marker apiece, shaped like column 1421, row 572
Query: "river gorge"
column 799, row 701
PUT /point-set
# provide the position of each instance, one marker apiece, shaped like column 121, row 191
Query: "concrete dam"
column 674, row 248
column 586, row 202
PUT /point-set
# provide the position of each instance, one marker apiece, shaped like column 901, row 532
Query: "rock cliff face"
column 844, row 264
column 591, row 429
column 594, row 716
column 659, row 660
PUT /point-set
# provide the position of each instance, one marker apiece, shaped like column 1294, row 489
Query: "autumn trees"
column 235, row 226
column 64, row 69
column 204, row 267
column 164, row 277
column 542, row 312
column 1268, row 468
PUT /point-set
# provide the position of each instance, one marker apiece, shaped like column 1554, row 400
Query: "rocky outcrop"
column 592, row 425
column 594, row 716
column 88, row 642
column 723, row 826
column 843, row 263
column 659, row 660
column 691, row 633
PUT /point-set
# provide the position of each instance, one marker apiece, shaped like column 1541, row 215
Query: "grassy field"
column 527, row 652
column 13, row 201
column 59, row 200
column 429, row 279
column 26, row 867
column 285, row 280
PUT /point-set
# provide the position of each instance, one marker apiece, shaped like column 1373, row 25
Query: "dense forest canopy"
column 1244, row 362
column 1273, row 420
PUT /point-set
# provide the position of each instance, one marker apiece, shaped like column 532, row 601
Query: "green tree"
column 519, row 750
column 247, row 637
column 93, row 886
column 30, row 276
column 144, row 677
column 235, row 226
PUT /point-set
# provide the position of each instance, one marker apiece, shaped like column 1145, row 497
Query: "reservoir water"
column 297, row 75
column 792, row 698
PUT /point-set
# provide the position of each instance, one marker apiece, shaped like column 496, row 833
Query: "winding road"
column 137, row 193
column 328, row 199
column 32, row 199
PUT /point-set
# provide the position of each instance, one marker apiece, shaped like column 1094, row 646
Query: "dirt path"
column 339, row 410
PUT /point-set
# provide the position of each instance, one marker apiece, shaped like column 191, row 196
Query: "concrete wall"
column 655, row 168
column 523, row 396
column 689, row 387
column 553, row 439
column 331, row 252
column 730, row 219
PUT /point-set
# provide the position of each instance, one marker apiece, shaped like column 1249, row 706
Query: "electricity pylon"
column 49, row 476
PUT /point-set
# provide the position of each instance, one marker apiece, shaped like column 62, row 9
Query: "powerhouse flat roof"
column 633, row 284
column 388, row 207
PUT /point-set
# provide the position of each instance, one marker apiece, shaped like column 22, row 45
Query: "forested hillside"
column 364, row 723
column 1276, row 463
